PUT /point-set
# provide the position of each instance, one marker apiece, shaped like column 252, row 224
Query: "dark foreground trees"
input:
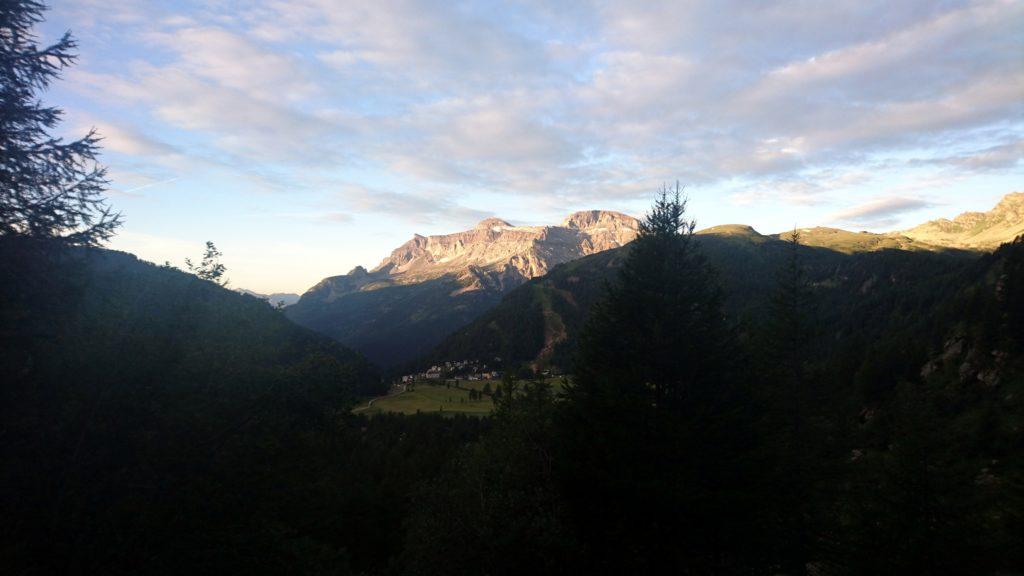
column 49, row 189
column 685, row 445
column 651, row 431
column 497, row 509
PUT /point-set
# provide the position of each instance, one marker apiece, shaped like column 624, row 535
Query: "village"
column 467, row 387
column 451, row 372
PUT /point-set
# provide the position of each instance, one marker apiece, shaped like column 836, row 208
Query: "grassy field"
column 439, row 398
column 429, row 398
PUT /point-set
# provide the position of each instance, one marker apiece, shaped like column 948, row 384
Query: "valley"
column 522, row 292
column 525, row 383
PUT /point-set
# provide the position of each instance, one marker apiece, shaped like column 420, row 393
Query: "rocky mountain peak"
column 493, row 223
column 593, row 218
column 1010, row 208
column 494, row 254
column 975, row 230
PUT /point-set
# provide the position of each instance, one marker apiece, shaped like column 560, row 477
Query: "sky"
column 305, row 137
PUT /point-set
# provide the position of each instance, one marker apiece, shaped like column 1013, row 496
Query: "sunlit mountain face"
column 429, row 286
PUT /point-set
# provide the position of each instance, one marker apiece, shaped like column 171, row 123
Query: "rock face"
column 975, row 230
column 515, row 253
column 432, row 285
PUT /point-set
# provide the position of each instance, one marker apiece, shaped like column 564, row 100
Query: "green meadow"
column 441, row 398
column 429, row 398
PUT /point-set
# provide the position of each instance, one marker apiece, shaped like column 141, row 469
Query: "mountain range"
column 876, row 285
column 432, row 285
column 283, row 298
column 976, row 230
column 441, row 297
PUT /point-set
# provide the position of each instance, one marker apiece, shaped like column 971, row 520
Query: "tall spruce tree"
column 50, row 189
column 648, row 427
column 785, row 403
column 658, row 338
column 790, row 323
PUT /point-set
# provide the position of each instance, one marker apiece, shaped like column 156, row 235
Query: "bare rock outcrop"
column 975, row 230
column 494, row 252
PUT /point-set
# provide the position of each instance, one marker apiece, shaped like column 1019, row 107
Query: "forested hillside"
column 395, row 324
column 430, row 286
column 884, row 440
column 860, row 292
column 154, row 419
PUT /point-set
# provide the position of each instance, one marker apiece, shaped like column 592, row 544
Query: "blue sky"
column 306, row 137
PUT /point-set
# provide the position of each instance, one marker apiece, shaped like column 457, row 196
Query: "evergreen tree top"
column 49, row 189
column 667, row 217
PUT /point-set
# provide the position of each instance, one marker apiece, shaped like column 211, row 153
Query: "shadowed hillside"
column 146, row 407
column 432, row 285
column 863, row 282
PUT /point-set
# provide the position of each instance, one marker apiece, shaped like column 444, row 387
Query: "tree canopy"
column 50, row 189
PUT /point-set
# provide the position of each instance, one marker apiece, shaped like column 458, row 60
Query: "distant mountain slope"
column 853, row 242
column 975, row 230
column 285, row 298
column 538, row 322
column 432, row 285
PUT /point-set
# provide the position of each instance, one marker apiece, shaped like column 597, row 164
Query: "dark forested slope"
column 150, row 418
column 860, row 291
column 865, row 420
column 393, row 323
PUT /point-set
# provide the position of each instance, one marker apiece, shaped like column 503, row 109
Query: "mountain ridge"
column 493, row 243
column 432, row 285
column 975, row 230
column 536, row 324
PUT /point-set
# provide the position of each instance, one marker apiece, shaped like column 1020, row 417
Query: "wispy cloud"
column 881, row 212
column 411, row 207
column 528, row 98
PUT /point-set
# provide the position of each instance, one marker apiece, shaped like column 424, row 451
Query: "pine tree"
column 790, row 330
column 648, row 426
column 50, row 189
column 786, row 399
column 658, row 339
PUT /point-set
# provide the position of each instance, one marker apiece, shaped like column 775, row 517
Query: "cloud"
column 129, row 141
column 336, row 217
column 488, row 142
column 999, row 157
column 806, row 189
column 417, row 208
column 426, row 44
column 597, row 100
column 232, row 60
column 879, row 213
column 780, row 90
